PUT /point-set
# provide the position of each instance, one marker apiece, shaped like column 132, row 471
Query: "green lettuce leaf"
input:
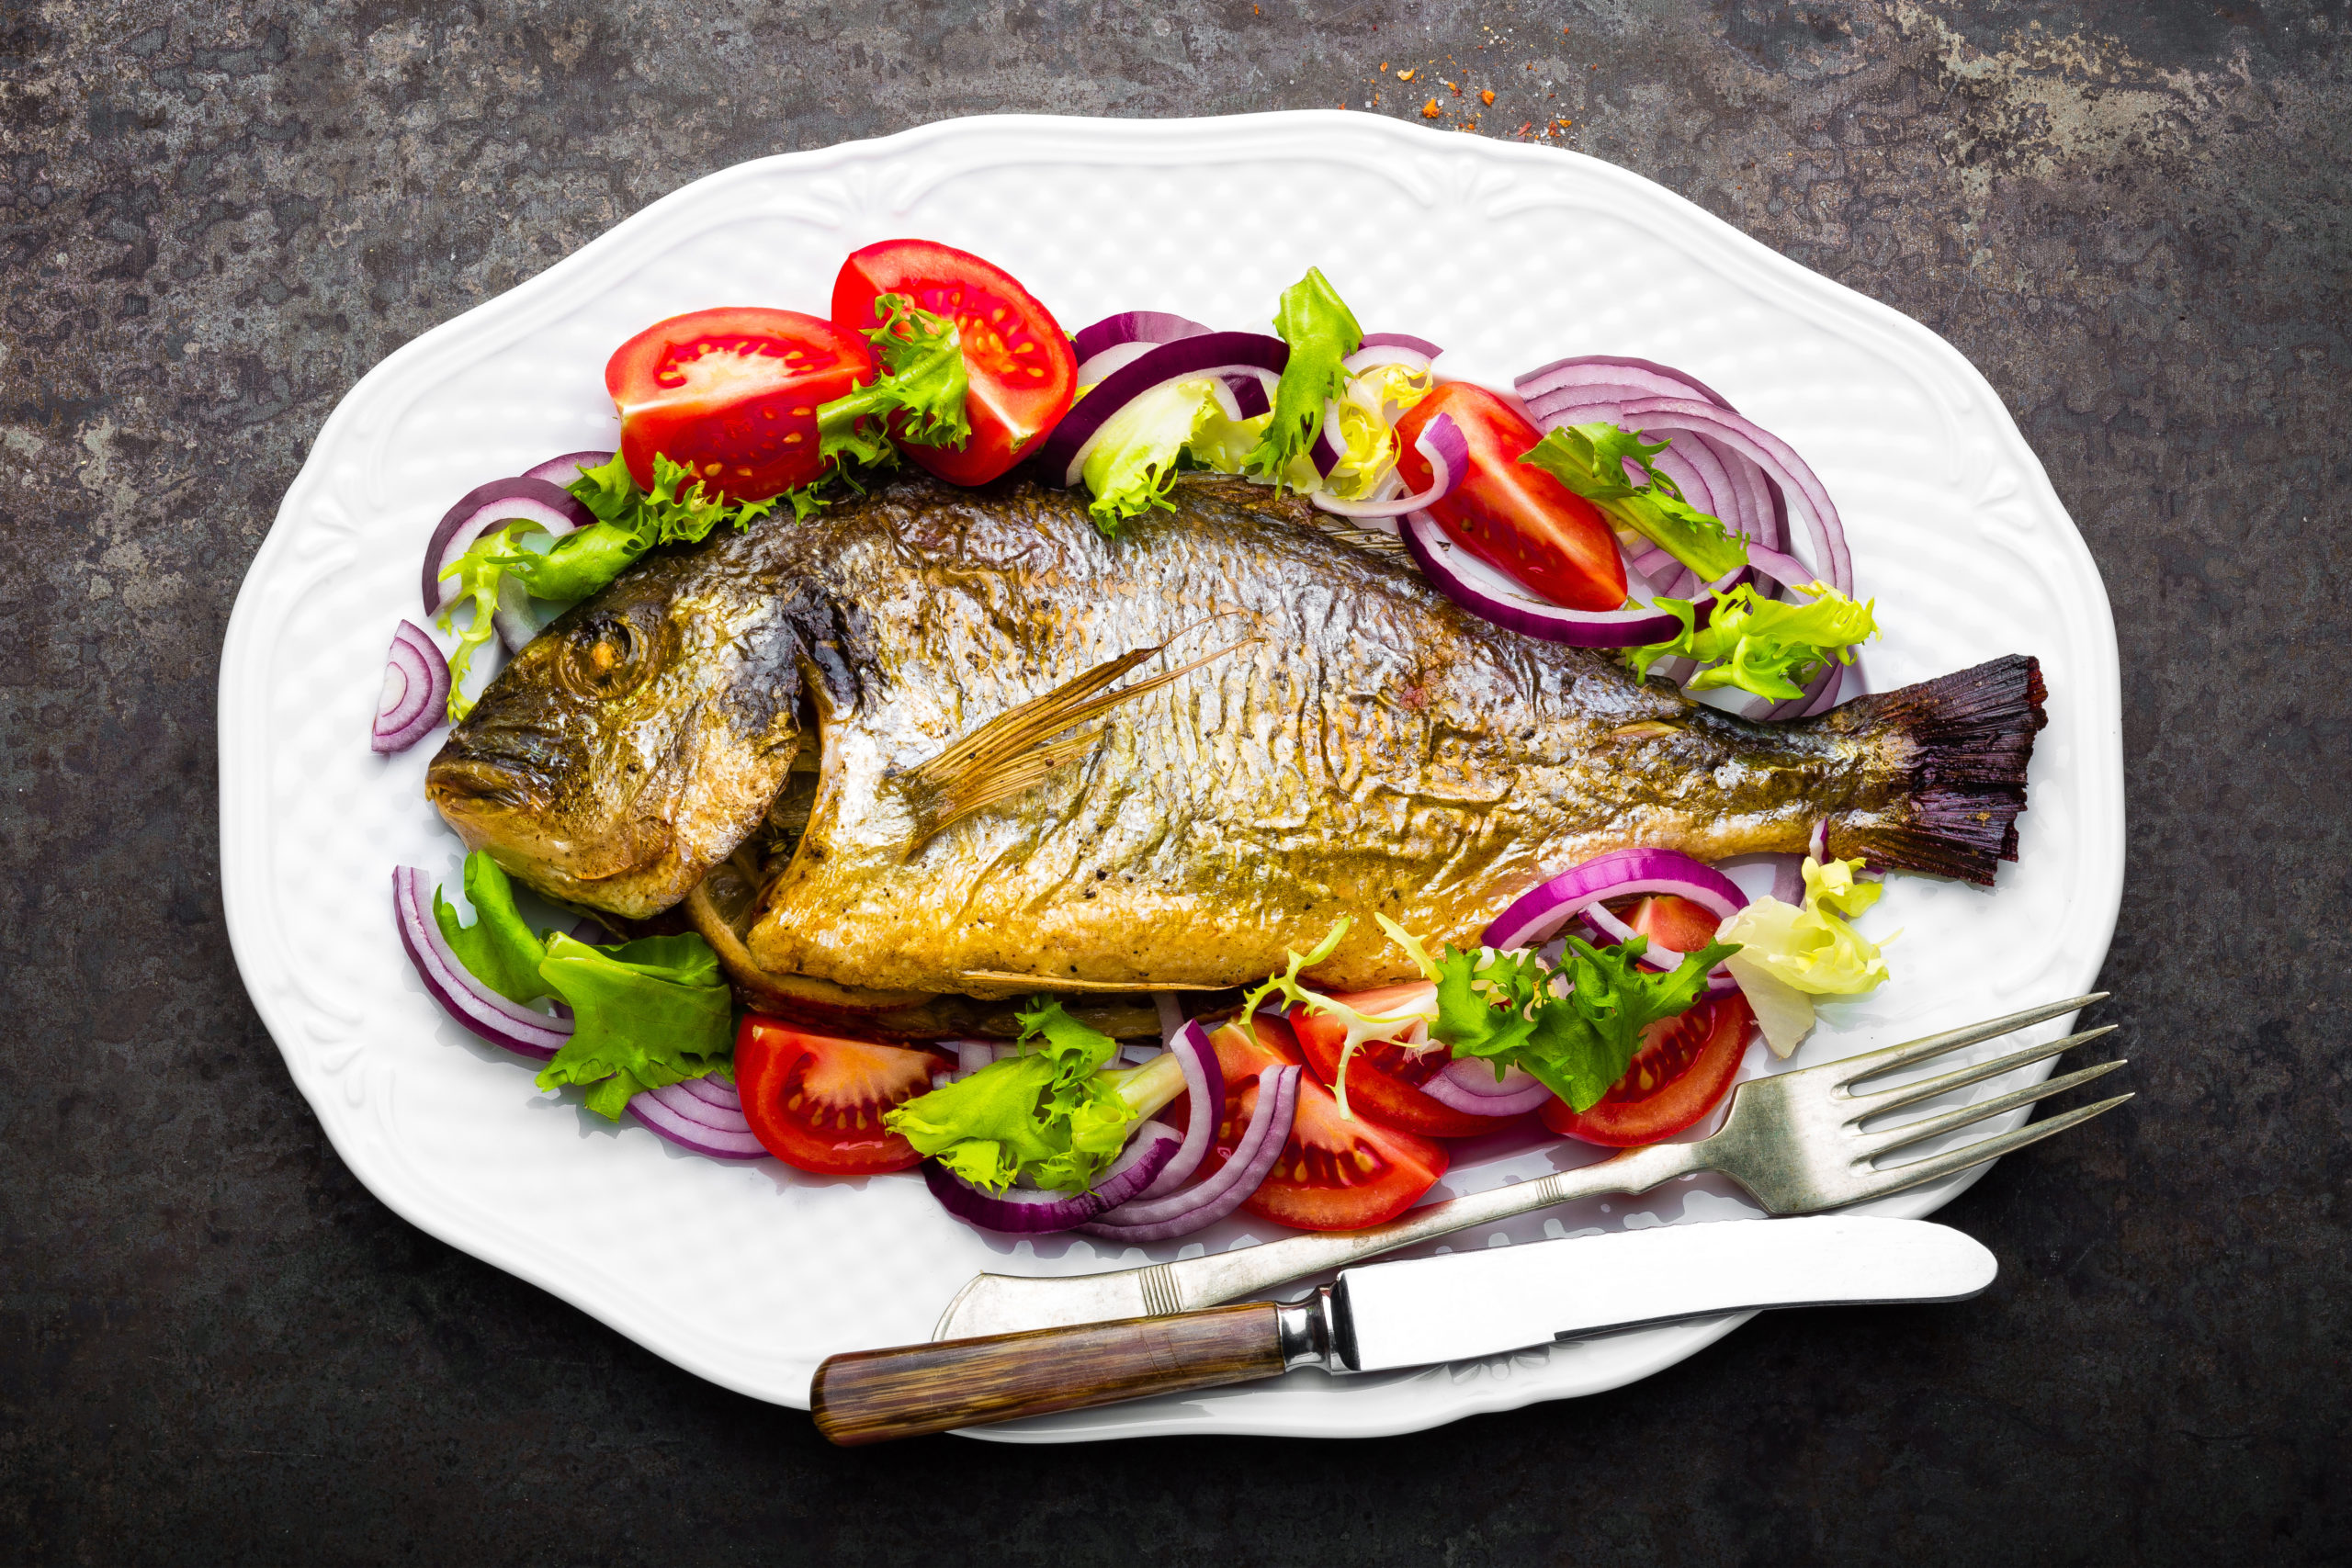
column 1810, row 948
column 1762, row 645
column 498, row 949
column 1134, row 462
column 679, row 510
column 919, row 396
column 478, row 572
column 1590, row 460
column 1049, row 1114
column 1321, row 331
column 1577, row 1027
column 647, row 1012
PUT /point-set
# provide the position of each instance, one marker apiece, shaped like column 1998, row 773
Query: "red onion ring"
column 1182, row 1213
column 1027, row 1211
column 416, row 690
column 1608, row 370
column 485, row 507
column 1537, row 915
column 1128, row 327
column 570, row 466
column 1205, row 1084
column 1448, row 451
column 467, row 999
column 1487, row 593
column 1767, row 451
column 676, row 1112
column 1469, row 1085
column 1419, row 345
column 1373, row 358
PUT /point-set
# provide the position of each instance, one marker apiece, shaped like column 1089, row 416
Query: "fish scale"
column 1370, row 747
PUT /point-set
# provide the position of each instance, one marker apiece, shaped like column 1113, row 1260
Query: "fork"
column 1795, row 1141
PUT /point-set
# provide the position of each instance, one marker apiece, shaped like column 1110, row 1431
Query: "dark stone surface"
column 215, row 216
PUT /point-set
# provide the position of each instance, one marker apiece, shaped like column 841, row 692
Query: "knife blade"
column 1409, row 1312
column 1418, row 1311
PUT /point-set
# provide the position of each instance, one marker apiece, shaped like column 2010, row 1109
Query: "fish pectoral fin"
column 1016, row 751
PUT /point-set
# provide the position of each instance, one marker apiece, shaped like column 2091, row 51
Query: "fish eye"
column 607, row 656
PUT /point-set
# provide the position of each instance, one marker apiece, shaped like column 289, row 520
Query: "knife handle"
column 871, row 1396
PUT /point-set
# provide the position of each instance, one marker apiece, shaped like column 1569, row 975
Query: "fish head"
column 628, row 749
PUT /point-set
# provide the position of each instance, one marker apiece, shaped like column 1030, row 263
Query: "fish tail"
column 1964, row 740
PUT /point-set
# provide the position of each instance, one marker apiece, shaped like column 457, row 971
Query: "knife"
column 1411, row 1312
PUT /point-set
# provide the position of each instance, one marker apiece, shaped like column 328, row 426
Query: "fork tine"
column 1927, row 1088
column 1875, row 1144
column 1904, row 1177
column 1869, row 1064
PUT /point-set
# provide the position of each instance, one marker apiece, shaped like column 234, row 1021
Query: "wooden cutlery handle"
column 871, row 1396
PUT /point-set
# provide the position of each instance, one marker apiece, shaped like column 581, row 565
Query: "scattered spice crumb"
column 1383, row 68
column 1430, row 110
column 1404, row 75
column 1451, row 87
column 1486, row 97
column 1525, row 129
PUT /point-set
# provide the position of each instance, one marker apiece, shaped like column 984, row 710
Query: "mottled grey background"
column 215, row 217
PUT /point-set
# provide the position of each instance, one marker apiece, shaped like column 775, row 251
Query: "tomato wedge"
column 1677, row 923
column 1512, row 515
column 1022, row 369
column 1384, row 1079
column 1686, row 1065
column 732, row 394
column 1334, row 1174
column 816, row 1102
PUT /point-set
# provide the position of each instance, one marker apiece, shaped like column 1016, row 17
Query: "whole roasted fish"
column 946, row 740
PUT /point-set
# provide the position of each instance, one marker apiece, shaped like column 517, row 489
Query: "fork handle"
column 994, row 1303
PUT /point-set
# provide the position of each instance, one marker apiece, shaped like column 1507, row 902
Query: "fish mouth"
column 475, row 789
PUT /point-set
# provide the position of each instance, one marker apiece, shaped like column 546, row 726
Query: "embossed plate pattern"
column 750, row 1275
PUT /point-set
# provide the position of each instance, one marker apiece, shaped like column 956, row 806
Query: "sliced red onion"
column 1223, row 354
column 416, row 690
column 485, row 507
column 1182, row 1213
column 1611, row 371
column 971, row 1055
column 1448, row 451
column 1205, row 1084
column 692, row 1122
column 1469, row 1085
column 1818, row 844
column 1026, row 1210
column 717, row 1092
column 1419, row 345
column 1767, row 452
column 1130, row 326
column 1788, row 878
column 1537, row 915
column 1484, row 591
column 570, row 466
column 1371, row 358
column 509, row 1024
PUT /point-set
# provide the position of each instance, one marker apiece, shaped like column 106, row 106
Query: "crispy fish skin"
column 1368, row 747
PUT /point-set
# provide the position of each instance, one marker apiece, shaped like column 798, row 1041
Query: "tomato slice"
column 817, row 1103
column 732, row 394
column 1512, row 515
column 1686, row 1065
column 1674, row 923
column 1022, row 369
column 1334, row 1174
column 1384, row 1079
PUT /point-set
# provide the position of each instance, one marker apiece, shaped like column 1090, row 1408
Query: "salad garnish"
column 1321, row 331
column 1590, row 459
column 1050, row 1116
column 1765, row 645
column 647, row 1013
column 1791, row 953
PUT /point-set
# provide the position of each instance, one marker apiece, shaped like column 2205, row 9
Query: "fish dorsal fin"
column 1015, row 751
